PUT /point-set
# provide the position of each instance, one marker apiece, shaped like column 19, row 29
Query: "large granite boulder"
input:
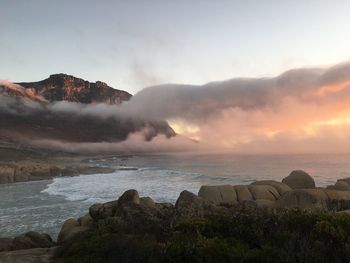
column 218, row 194
column 85, row 221
column 188, row 205
column 280, row 187
column 31, row 239
column 102, row 211
column 33, row 255
column 243, row 193
column 70, row 229
column 338, row 200
column 5, row 244
column 340, row 185
column 147, row 201
column 326, row 199
column 265, row 192
column 298, row 179
column 129, row 196
column 304, row 199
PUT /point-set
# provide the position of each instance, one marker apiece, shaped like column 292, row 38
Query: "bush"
column 246, row 236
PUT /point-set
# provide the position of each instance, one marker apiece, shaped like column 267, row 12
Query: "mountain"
column 63, row 87
column 44, row 110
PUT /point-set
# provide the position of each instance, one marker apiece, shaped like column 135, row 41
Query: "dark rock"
column 342, row 186
column 243, row 193
column 94, row 211
column 102, row 211
column 130, row 196
column 147, row 201
column 5, row 244
column 304, row 199
column 299, row 179
column 66, row 229
column 280, row 187
column 31, row 239
column 218, row 194
column 86, row 221
column 34, row 255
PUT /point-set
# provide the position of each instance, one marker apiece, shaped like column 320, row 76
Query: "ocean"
column 44, row 205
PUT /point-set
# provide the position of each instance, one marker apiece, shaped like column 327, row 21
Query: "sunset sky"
column 286, row 66
column 133, row 44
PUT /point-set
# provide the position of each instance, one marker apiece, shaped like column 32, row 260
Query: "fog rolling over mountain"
column 65, row 109
column 305, row 110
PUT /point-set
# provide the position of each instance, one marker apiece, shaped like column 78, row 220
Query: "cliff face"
column 62, row 87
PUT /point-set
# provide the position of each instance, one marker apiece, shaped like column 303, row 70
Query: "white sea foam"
column 161, row 185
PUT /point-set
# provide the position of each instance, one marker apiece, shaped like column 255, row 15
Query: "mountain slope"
column 68, row 109
column 63, row 87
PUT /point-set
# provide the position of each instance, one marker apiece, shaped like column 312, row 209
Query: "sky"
column 247, row 76
column 134, row 44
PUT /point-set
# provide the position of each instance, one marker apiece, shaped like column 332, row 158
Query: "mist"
column 301, row 110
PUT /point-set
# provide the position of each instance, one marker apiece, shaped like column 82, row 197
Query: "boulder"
column 22, row 242
column 34, row 255
column 280, row 187
column 243, row 193
column 101, row 211
column 40, row 240
column 218, row 194
column 94, row 211
column 86, row 221
column 189, row 205
column 31, row 239
column 346, row 180
column 299, row 179
column 338, row 200
column 147, row 201
column 304, row 199
column 266, row 192
column 5, row 244
column 258, row 204
column 66, row 230
column 342, row 186
column 72, row 233
column 129, row 196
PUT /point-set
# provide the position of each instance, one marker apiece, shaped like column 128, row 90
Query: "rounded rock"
column 298, row 179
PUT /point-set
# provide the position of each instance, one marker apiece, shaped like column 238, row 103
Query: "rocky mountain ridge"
column 63, row 87
column 62, row 108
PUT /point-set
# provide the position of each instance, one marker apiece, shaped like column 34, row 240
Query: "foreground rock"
column 299, row 179
column 28, row 240
column 34, row 255
column 295, row 191
column 135, row 212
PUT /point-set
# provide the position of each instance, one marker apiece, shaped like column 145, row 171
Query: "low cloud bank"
column 301, row 110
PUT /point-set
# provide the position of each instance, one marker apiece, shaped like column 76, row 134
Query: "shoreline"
column 292, row 203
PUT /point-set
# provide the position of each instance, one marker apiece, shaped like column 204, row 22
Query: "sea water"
column 44, row 205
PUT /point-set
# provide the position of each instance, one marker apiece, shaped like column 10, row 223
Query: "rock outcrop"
column 295, row 191
column 35, row 170
column 63, row 87
column 28, row 240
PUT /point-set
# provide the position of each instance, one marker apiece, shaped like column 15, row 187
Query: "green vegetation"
column 246, row 236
